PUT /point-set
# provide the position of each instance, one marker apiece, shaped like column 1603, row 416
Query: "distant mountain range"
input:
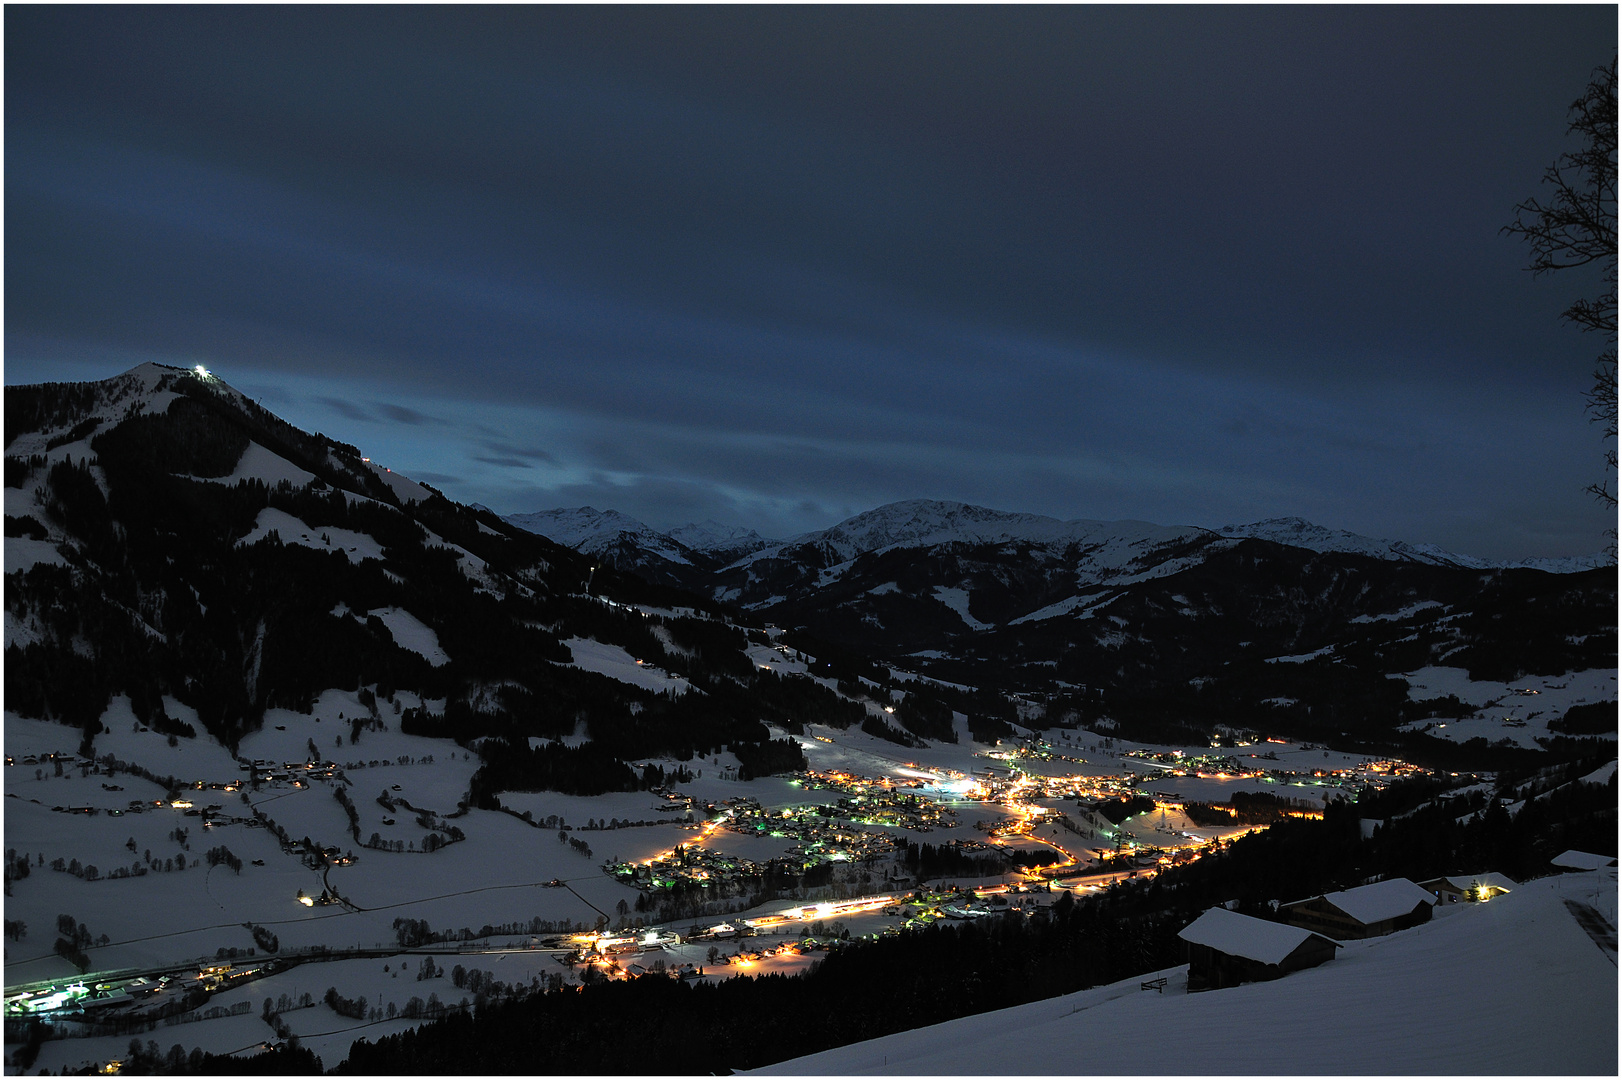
column 171, row 541
column 922, row 523
column 1164, row 622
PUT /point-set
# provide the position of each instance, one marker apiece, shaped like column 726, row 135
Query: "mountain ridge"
column 925, row 522
column 206, row 551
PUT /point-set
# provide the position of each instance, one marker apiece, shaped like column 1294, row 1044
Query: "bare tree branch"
column 1577, row 227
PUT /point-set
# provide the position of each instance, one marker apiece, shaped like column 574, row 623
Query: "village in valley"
column 324, row 891
column 555, row 784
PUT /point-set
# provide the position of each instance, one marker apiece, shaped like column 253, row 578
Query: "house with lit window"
column 1226, row 949
column 1462, row 888
column 1364, row 912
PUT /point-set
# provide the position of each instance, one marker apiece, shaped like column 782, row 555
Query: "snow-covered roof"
column 1383, row 900
column 1582, row 860
column 1462, row 882
column 1240, row 935
column 1375, row 1007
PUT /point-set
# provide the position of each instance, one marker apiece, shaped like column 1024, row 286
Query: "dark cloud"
column 403, row 415
column 1186, row 264
column 528, row 454
column 348, row 410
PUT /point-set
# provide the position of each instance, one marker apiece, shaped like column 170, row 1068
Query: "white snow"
column 1519, row 711
column 1601, row 775
column 1301, row 658
column 135, row 388
column 1382, row 900
column 1582, row 860
column 258, row 463
column 1052, row 611
column 1479, row 990
column 1463, row 882
column 411, row 634
column 958, row 601
column 593, row 531
column 1241, row 935
column 405, row 489
column 712, row 536
column 356, row 545
column 1396, row 616
column 1116, row 551
column 23, row 554
column 1296, row 532
column 776, row 659
column 613, row 661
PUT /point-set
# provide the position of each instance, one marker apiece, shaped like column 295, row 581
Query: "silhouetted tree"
column 1577, row 227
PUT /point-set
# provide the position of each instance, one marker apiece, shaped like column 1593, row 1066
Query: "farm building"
column 1226, row 949
column 1364, row 912
column 1582, row 860
column 1455, row 888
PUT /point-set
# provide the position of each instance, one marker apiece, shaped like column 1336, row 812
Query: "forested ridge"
column 151, row 592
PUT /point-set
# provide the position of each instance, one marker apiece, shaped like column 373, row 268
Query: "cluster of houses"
column 823, row 837
column 883, row 801
column 1226, row 948
column 297, row 773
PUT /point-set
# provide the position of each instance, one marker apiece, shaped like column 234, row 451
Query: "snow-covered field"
column 174, row 908
column 616, row 663
column 291, row 530
column 1518, row 711
column 1513, row 986
column 412, row 635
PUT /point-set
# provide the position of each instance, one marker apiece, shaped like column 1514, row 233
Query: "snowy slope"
column 1511, row 986
column 134, row 392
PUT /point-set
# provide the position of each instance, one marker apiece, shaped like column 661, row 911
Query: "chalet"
column 1364, row 912
column 1457, row 888
column 1582, row 860
column 1226, row 949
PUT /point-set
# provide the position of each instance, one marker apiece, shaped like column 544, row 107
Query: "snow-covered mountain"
column 919, row 523
column 172, row 543
column 682, row 557
column 928, row 523
column 726, row 542
column 593, row 532
column 1296, row 532
column 1025, row 601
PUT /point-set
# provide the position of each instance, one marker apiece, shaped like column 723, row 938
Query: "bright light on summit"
column 202, row 371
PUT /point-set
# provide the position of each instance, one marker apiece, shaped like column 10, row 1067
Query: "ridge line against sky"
column 774, row 267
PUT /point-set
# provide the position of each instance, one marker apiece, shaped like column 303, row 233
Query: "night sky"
column 778, row 266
